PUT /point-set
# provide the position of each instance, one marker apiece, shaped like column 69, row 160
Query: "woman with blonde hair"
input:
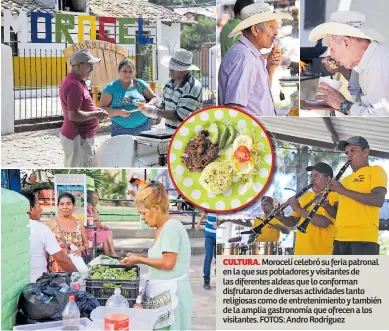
column 168, row 288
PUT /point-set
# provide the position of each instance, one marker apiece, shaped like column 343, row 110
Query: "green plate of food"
column 220, row 159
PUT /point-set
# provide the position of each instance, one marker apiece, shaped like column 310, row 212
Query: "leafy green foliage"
column 193, row 36
column 112, row 187
column 293, row 159
column 105, row 272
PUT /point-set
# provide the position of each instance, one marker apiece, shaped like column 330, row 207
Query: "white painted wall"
column 376, row 12
column 169, row 36
column 7, row 100
column 26, row 45
column 168, row 40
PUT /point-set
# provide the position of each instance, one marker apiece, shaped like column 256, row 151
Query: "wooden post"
column 153, row 86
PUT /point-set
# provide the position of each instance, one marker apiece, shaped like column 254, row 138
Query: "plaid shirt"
column 185, row 99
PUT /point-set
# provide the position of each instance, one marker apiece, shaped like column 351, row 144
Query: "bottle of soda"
column 116, row 313
column 71, row 316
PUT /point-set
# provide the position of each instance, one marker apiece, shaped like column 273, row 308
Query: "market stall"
column 42, row 304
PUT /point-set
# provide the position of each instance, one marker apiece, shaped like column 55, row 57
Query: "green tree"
column 195, row 35
column 95, row 174
column 113, row 187
column 293, row 159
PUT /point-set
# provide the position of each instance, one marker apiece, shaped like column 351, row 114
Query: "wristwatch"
column 345, row 107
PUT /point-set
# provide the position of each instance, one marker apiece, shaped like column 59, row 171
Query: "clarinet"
column 255, row 232
column 303, row 227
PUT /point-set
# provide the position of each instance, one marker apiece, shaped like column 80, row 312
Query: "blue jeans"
column 118, row 130
column 210, row 252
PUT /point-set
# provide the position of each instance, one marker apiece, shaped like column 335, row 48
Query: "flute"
column 255, row 232
column 303, row 227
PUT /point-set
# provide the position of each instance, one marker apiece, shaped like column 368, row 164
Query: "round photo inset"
column 220, row 159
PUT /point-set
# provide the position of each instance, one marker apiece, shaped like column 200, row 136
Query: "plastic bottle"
column 71, row 316
column 77, row 260
column 116, row 313
column 138, row 301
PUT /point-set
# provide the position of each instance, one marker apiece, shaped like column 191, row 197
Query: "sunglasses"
column 153, row 183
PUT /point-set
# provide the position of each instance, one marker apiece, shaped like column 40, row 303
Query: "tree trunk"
column 302, row 163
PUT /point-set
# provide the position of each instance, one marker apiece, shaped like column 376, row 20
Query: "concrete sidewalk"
column 34, row 149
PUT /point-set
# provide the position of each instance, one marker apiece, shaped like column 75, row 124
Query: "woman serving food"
column 123, row 97
column 168, row 288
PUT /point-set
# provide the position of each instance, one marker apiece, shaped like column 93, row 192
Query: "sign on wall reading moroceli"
column 65, row 23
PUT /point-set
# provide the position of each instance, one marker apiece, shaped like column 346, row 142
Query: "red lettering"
column 102, row 21
column 241, row 262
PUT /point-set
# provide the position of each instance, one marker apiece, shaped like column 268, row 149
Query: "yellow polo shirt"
column 354, row 220
column 317, row 240
column 268, row 233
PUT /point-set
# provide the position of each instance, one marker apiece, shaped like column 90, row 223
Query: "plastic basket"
column 129, row 288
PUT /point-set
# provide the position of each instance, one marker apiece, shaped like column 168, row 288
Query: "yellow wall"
column 38, row 71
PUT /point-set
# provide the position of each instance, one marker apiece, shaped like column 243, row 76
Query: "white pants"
column 78, row 152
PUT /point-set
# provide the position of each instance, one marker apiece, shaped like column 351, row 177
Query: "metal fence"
column 193, row 212
column 37, row 75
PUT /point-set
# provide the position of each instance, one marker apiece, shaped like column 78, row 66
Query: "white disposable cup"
column 331, row 82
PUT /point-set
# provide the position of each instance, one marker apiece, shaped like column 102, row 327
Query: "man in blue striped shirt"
column 182, row 94
column 210, row 244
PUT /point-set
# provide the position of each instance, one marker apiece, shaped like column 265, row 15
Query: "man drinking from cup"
column 356, row 52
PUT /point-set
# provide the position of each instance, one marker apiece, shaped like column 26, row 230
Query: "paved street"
column 36, row 149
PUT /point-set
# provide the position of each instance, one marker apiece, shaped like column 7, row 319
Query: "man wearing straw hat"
column 357, row 51
column 244, row 75
column 182, row 94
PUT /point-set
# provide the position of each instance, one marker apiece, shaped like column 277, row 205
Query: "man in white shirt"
column 361, row 58
column 42, row 240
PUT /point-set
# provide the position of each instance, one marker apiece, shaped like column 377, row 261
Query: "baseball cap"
column 357, row 141
column 83, row 56
column 267, row 198
column 321, row 167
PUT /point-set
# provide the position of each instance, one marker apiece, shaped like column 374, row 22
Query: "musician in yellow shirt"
column 359, row 199
column 319, row 238
column 270, row 232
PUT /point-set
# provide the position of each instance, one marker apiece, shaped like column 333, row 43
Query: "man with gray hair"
column 356, row 52
column 244, row 75
column 182, row 94
column 81, row 116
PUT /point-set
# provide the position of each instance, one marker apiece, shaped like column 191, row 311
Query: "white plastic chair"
column 115, row 152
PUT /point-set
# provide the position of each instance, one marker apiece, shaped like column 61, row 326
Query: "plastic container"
column 78, row 261
column 85, row 324
column 116, row 316
column 71, row 315
column 129, row 288
column 140, row 319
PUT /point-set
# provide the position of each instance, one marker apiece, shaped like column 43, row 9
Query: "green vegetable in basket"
column 105, row 272
column 96, row 275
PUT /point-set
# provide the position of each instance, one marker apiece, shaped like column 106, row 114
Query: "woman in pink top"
column 103, row 236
